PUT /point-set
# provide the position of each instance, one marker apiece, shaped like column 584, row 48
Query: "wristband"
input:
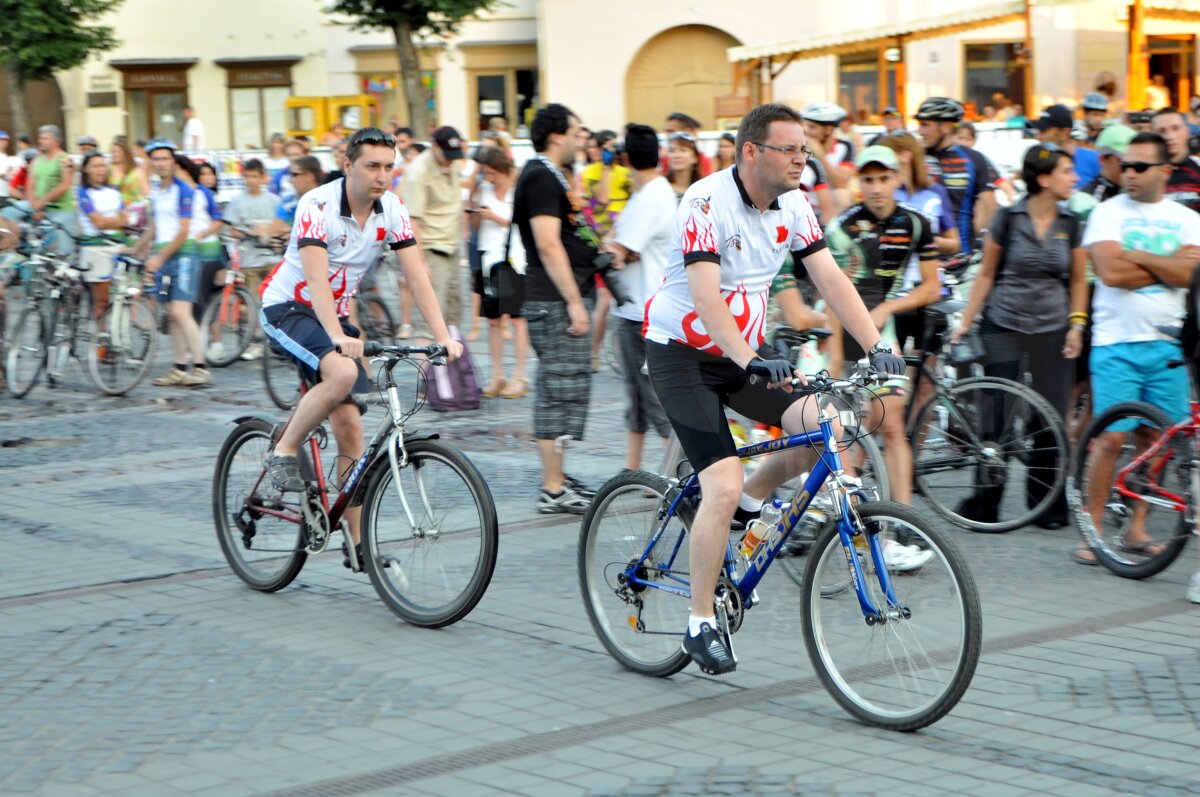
column 1078, row 325
column 1081, row 317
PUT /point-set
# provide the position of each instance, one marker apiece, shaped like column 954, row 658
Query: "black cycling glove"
column 886, row 362
column 771, row 370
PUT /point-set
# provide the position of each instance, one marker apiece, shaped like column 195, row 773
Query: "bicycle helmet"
column 825, row 113
column 940, row 109
column 1095, row 101
column 160, row 143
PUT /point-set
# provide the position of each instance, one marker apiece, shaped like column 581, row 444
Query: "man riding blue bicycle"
column 705, row 326
column 340, row 231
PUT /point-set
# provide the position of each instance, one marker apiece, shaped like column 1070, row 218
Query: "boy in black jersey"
column 873, row 242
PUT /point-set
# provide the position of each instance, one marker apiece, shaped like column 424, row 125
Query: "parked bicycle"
column 230, row 319
column 1136, row 482
column 897, row 653
column 126, row 340
column 56, row 322
column 429, row 527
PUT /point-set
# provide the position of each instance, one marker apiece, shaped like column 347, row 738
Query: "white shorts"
column 99, row 260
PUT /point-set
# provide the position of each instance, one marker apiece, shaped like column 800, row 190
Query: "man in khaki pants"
column 432, row 194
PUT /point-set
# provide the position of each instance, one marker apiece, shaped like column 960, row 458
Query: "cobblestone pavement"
column 133, row 663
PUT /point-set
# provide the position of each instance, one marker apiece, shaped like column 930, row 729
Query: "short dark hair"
column 687, row 121
column 309, row 165
column 603, row 137
column 1169, row 112
column 404, row 131
column 254, row 165
column 1039, row 160
column 641, row 145
column 371, row 136
column 550, row 119
column 756, row 125
column 188, row 165
column 1158, row 141
column 970, row 128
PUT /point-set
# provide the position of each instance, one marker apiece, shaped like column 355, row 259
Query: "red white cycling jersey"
column 323, row 219
column 717, row 222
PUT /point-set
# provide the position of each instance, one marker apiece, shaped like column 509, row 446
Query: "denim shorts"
column 182, row 269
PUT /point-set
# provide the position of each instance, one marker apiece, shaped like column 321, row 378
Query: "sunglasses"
column 1139, row 167
column 374, row 137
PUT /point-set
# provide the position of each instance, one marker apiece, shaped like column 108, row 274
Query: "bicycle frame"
column 1160, row 496
column 828, row 464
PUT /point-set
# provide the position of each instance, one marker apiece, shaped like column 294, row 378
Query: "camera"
column 603, row 263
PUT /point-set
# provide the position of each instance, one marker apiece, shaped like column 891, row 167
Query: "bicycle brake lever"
column 439, row 360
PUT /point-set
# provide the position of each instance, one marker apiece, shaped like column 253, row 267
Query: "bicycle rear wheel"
column 640, row 626
column 230, row 322
column 264, row 550
column 376, row 320
column 1105, row 516
column 26, row 352
column 280, row 377
column 909, row 669
column 123, row 348
column 995, row 440
column 434, row 569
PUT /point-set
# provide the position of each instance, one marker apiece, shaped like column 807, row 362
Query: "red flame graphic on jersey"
column 341, row 302
column 698, row 233
column 310, row 225
column 743, row 309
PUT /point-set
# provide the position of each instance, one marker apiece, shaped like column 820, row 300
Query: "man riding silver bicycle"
column 341, row 228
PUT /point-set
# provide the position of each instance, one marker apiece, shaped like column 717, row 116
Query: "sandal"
column 1147, row 548
column 517, row 387
column 1084, row 556
column 494, row 387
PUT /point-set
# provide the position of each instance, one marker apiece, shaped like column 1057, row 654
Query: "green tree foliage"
column 406, row 18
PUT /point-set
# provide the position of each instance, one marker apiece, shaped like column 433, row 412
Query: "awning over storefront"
column 883, row 35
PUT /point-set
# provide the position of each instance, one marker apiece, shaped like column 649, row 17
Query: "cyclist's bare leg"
column 185, row 332
column 347, row 425
column 897, row 455
column 784, row 465
column 1101, row 466
column 721, row 486
column 338, row 374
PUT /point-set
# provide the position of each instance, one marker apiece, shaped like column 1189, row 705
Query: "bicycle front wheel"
column 280, row 377
column 430, row 540
column 26, row 352
column 228, row 325
column 1111, row 515
column 640, row 625
column 265, row 550
column 990, row 454
column 123, row 348
column 911, row 667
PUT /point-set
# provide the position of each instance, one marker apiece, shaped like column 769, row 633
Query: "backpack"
column 453, row 386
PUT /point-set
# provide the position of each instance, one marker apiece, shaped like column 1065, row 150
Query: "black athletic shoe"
column 742, row 518
column 362, row 563
column 709, row 651
column 579, row 487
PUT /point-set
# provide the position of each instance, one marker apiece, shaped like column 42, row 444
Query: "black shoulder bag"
column 504, row 288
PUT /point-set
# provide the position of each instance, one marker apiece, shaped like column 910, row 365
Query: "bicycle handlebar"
column 823, row 382
column 374, row 348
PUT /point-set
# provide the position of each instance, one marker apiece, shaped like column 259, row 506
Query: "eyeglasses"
column 1139, row 167
column 789, row 151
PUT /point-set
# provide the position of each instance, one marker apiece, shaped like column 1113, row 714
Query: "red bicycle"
column 230, row 319
column 1137, row 476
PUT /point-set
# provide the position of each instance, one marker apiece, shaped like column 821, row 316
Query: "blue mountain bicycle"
column 895, row 650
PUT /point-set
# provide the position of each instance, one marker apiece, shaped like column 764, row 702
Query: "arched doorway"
column 43, row 103
column 681, row 69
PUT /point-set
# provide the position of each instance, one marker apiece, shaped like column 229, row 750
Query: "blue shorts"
column 294, row 329
column 183, row 271
column 1138, row 372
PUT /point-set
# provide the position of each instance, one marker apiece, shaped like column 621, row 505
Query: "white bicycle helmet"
column 826, row 113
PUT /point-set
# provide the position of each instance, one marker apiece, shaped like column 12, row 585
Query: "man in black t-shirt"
column 966, row 174
column 559, row 289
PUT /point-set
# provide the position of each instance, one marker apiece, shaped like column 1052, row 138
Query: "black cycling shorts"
column 694, row 388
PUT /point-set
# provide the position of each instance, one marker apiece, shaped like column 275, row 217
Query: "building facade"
column 236, row 63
